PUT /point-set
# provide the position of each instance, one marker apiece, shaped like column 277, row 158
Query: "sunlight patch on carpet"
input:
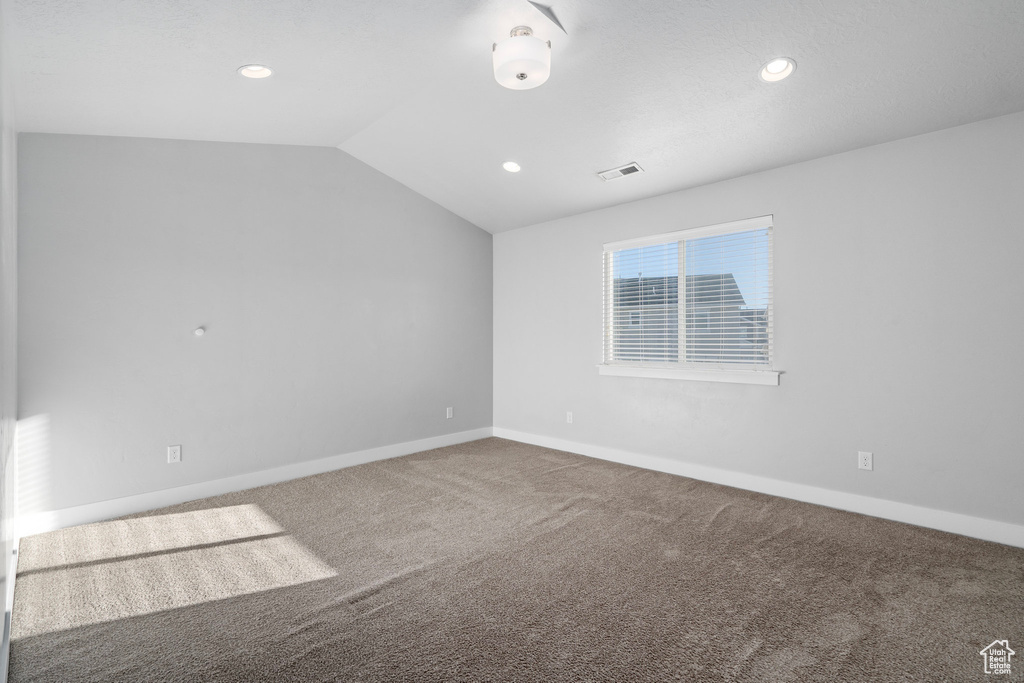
column 127, row 568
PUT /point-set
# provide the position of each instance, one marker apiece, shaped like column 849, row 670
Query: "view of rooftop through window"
column 727, row 289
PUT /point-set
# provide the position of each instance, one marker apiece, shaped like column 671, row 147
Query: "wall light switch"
column 450, row 413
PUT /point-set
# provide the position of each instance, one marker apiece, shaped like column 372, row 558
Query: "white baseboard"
column 5, row 645
column 965, row 525
column 40, row 522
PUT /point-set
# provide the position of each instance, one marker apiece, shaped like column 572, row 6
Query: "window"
column 693, row 304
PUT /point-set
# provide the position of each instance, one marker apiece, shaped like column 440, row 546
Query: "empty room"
column 510, row 340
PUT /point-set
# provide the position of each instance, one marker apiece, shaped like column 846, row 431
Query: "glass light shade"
column 522, row 62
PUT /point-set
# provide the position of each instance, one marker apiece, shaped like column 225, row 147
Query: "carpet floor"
column 499, row 561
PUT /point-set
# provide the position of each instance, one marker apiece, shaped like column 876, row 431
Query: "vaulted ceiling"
column 407, row 86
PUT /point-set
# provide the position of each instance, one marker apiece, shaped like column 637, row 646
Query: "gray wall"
column 8, row 334
column 343, row 312
column 898, row 324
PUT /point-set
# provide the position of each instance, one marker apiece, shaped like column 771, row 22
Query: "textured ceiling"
column 406, row 86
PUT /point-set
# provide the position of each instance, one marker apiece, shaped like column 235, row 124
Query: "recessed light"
column 255, row 71
column 777, row 69
column 511, row 166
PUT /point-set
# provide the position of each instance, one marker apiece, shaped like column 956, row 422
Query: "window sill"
column 764, row 377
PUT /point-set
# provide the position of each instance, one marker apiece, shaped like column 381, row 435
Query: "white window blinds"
column 698, row 298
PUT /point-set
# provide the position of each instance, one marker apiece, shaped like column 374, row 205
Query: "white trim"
column 5, row 646
column 976, row 527
column 764, row 377
column 757, row 223
column 41, row 522
column 952, row 522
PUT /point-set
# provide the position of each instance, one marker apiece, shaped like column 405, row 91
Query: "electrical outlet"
column 568, row 417
column 173, row 454
column 450, row 413
column 864, row 461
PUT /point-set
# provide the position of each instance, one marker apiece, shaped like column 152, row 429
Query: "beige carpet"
column 498, row 561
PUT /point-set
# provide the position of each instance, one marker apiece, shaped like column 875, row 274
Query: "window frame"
column 683, row 370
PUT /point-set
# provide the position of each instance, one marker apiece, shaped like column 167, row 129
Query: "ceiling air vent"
column 613, row 173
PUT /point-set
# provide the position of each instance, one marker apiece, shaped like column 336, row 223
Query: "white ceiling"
column 406, row 85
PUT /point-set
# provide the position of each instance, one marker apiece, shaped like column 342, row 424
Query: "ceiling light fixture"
column 511, row 167
column 777, row 69
column 255, row 71
column 523, row 61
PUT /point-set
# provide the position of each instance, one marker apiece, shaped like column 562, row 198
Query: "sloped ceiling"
column 406, row 86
